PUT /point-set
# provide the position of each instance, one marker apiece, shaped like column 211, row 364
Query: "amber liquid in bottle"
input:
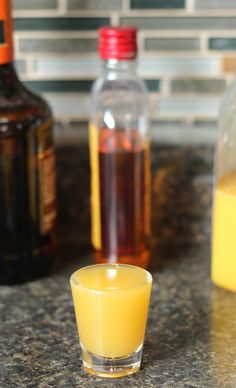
column 27, row 182
column 124, row 198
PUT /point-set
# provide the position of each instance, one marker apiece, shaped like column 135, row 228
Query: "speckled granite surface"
column 191, row 333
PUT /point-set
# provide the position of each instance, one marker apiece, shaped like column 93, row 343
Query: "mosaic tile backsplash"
column 186, row 53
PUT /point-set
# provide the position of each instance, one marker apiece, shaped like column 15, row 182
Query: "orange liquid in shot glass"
column 111, row 307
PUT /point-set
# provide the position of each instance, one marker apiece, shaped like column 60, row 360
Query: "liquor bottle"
column 120, row 154
column 27, row 171
column 223, row 264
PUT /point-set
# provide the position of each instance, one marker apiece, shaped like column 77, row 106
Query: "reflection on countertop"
column 191, row 333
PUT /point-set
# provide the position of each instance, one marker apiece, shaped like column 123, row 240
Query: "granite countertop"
column 191, row 332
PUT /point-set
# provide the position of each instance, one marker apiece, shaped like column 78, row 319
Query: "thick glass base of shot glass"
column 111, row 367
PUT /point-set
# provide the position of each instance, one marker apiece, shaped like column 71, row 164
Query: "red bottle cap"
column 117, row 43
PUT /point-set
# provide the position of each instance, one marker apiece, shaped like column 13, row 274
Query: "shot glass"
column 111, row 307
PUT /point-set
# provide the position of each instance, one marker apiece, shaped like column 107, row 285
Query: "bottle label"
column 27, row 181
column 48, row 191
column 6, row 45
column 95, row 187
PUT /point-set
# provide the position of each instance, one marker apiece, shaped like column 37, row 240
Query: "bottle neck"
column 9, row 82
column 119, row 66
column 7, row 73
column 6, row 43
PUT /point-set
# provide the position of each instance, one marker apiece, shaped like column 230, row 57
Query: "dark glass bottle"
column 27, row 172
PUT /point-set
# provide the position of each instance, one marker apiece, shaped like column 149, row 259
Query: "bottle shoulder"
column 20, row 109
column 228, row 103
column 226, row 139
column 126, row 95
column 16, row 99
column 120, row 103
column 113, row 83
column 20, row 99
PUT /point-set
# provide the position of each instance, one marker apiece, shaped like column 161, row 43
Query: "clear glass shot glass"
column 111, row 306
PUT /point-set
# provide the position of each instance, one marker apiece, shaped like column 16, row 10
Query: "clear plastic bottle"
column 120, row 154
column 223, row 269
